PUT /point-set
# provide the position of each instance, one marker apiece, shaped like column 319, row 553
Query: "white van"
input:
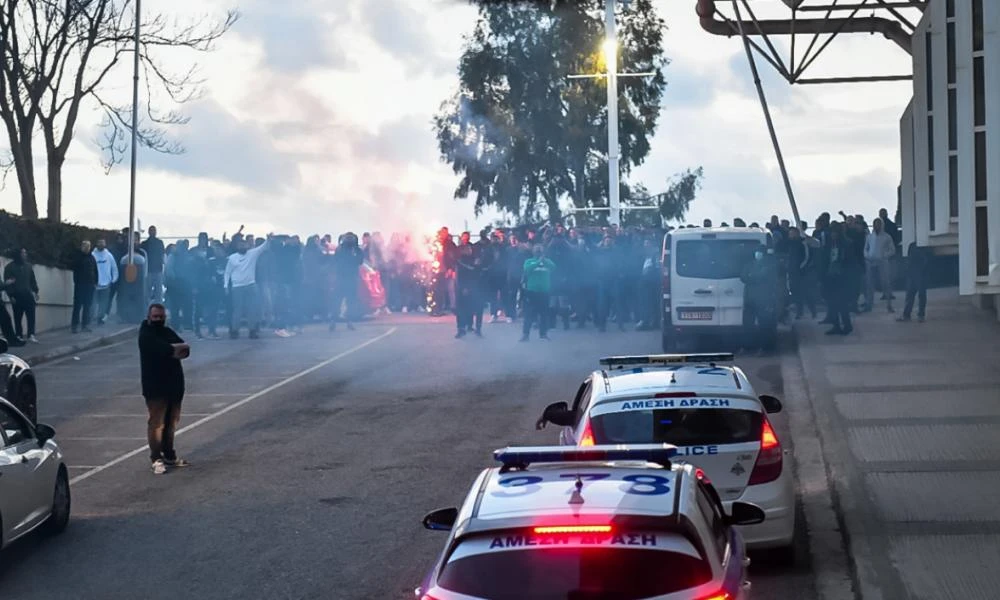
column 702, row 291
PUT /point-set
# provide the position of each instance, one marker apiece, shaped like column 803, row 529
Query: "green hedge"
column 49, row 244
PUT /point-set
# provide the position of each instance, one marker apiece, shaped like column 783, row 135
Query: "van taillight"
column 769, row 460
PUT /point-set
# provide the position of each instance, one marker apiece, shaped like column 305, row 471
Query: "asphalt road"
column 314, row 460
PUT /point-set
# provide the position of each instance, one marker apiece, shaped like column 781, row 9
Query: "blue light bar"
column 526, row 455
column 653, row 360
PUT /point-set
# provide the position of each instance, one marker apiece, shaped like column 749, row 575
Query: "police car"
column 713, row 416
column 609, row 522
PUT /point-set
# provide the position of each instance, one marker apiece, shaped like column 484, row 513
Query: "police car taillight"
column 588, row 435
column 574, row 529
column 769, row 460
column 719, row 596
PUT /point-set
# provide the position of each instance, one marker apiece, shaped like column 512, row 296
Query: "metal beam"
column 882, row 5
column 865, row 79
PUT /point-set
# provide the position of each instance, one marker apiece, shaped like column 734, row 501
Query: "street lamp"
column 610, row 48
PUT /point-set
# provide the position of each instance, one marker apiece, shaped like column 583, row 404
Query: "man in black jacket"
column 22, row 289
column 84, row 284
column 917, row 259
column 161, row 351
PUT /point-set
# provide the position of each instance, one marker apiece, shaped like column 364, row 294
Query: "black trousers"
column 6, row 325
column 469, row 309
column 346, row 295
column 24, row 309
column 83, row 303
column 536, row 306
column 760, row 324
column 844, row 297
column 206, row 308
column 916, row 289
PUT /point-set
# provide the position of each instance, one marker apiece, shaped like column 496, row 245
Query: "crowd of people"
column 544, row 276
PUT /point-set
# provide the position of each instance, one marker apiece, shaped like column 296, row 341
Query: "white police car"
column 713, row 416
column 607, row 522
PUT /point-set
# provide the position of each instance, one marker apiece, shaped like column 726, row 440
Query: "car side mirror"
column 442, row 519
column 745, row 514
column 770, row 403
column 44, row 433
column 557, row 413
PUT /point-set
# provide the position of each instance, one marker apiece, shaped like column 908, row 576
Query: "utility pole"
column 131, row 272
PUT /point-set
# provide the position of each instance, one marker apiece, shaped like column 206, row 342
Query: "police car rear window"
column 678, row 426
column 492, row 568
column 713, row 259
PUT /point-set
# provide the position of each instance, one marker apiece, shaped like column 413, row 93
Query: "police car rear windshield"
column 625, row 571
column 713, row 259
column 678, row 426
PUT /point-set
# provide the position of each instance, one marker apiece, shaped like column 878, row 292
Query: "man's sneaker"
column 177, row 463
column 282, row 333
column 32, row 339
column 903, row 319
column 159, row 467
column 920, row 319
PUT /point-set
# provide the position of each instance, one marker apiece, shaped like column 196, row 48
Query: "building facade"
column 950, row 141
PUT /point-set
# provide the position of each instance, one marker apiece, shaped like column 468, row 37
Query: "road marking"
column 101, row 439
column 82, row 467
column 138, row 397
column 119, row 416
column 234, row 406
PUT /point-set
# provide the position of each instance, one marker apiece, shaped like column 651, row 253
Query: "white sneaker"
column 176, row 463
column 33, row 339
column 159, row 467
column 406, row 309
column 282, row 333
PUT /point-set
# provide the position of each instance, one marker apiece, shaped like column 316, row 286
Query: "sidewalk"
column 60, row 343
column 909, row 421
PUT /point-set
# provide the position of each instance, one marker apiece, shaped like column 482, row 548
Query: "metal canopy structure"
column 813, row 25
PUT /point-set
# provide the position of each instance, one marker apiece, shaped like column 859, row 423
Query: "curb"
column 71, row 349
column 828, row 546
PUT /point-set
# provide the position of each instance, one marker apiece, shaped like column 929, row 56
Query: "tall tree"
column 519, row 132
column 58, row 55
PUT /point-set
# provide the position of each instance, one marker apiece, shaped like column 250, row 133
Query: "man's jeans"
column 245, row 307
column 164, row 415
column 102, row 303
column 877, row 271
column 156, row 287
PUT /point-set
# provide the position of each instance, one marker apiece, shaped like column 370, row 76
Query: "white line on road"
column 101, row 439
column 80, row 354
column 119, row 416
column 139, row 397
column 234, row 406
column 82, row 467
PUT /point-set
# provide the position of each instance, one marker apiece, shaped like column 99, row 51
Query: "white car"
column 614, row 522
column 34, row 482
column 713, row 416
column 702, row 290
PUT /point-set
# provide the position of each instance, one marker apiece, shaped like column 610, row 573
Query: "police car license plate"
column 701, row 315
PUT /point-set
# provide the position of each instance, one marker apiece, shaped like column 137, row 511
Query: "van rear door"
column 706, row 287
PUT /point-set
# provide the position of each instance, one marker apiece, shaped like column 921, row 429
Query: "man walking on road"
column 161, row 351
column 155, row 258
column 537, row 289
column 22, row 289
column 84, row 284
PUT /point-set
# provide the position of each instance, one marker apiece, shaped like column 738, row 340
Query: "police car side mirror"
column 557, row 413
column 442, row 519
column 745, row 514
column 44, row 433
column 770, row 404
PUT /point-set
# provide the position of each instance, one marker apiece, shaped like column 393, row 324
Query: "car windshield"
column 574, row 573
column 714, row 258
column 679, row 426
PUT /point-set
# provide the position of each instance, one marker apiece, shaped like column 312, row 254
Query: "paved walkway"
column 60, row 343
column 908, row 415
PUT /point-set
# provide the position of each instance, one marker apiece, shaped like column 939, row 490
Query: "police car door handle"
column 703, row 291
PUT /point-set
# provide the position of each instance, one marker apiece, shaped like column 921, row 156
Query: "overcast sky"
column 317, row 114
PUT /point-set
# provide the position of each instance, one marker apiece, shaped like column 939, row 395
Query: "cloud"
column 220, row 146
column 294, row 36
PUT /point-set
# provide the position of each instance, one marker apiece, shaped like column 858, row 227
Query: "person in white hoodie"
column 107, row 277
column 241, row 285
column 879, row 248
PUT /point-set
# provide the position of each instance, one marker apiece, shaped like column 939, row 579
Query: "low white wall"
column 55, row 303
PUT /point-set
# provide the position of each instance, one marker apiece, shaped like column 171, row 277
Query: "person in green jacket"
column 536, row 284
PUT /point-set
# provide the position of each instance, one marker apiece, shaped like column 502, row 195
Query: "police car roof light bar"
column 655, row 360
column 521, row 457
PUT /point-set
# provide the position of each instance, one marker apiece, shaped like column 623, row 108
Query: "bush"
column 49, row 244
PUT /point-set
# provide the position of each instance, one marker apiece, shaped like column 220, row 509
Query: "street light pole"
column 135, row 127
column 611, row 56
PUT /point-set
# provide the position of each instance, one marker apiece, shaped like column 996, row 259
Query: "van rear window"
column 713, row 259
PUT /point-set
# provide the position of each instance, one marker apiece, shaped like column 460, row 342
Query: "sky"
column 316, row 118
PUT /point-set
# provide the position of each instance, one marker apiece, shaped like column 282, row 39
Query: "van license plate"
column 695, row 316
